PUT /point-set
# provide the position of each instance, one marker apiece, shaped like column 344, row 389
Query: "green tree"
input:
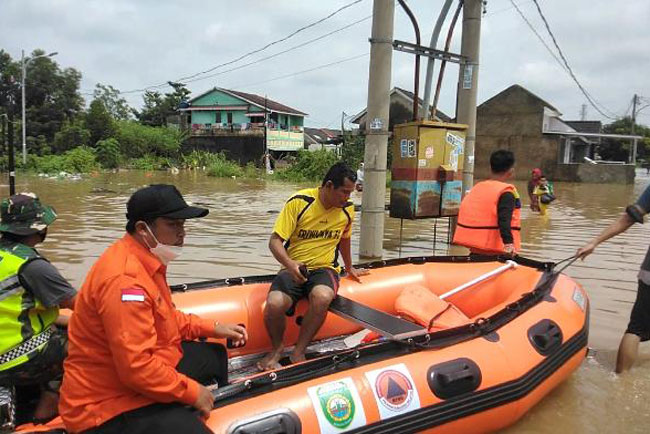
column 618, row 149
column 152, row 112
column 114, row 103
column 157, row 107
column 9, row 89
column 99, row 122
column 72, row 134
column 140, row 140
column 353, row 149
column 108, row 153
column 52, row 96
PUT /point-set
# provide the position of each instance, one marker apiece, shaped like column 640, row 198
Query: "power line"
column 306, row 70
column 498, row 11
column 569, row 70
column 250, row 53
column 557, row 59
column 281, row 52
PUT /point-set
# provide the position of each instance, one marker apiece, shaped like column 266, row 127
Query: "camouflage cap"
column 23, row 214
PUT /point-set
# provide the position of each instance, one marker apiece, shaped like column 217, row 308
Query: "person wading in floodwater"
column 638, row 329
column 489, row 219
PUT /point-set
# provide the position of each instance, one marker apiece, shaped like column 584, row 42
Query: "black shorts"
column 283, row 282
column 640, row 317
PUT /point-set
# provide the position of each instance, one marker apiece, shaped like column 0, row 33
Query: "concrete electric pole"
column 635, row 99
column 468, row 85
column 374, row 188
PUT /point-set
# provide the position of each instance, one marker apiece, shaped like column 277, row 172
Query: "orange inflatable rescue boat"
column 462, row 345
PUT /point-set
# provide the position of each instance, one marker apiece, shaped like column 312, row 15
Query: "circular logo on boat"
column 337, row 404
column 394, row 390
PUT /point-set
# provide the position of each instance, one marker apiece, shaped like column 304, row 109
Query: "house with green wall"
column 229, row 114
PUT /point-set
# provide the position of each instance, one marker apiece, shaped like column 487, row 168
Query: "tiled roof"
column 586, row 126
column 409, row 95
column 261, row 101
column 257, row 100
column 321, row 135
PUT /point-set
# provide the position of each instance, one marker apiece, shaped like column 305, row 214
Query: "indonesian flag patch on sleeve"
column 132, row 294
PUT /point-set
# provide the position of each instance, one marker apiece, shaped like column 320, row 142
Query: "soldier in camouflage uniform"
column 31, row 292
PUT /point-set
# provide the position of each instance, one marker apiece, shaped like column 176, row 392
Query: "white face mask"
column 164, row 252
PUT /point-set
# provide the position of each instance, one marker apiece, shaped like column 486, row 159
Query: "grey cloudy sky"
column 132, row 44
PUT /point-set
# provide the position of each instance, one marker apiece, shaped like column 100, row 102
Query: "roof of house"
column 518, row 87
column 320, row 135
column 257, row 100
column 586, row 126
column 409, row 96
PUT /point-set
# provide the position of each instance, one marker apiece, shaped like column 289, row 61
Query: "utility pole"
column 3, row 133
column 12, row 162
column 468, row 85
column 23, row 71
column 342, row 128
column 583, row 112
column 374, row 191
column 634, row 102
column 633, row 147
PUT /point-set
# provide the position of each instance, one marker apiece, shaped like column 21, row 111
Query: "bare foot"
column 297, row 358
column 270, row 361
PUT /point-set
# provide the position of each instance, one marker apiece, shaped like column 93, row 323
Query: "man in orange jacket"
column 130, row 365
column 489, row 219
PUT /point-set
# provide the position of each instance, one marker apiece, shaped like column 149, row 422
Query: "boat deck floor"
column 245, row 366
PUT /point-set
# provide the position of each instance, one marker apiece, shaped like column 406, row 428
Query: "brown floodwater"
column 232, row 241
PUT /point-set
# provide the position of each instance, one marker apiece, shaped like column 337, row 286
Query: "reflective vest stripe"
column 9, row 283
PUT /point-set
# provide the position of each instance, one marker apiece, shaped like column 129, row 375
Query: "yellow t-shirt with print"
column 311, row 232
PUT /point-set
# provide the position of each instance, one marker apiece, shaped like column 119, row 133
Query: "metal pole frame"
column 23, row 72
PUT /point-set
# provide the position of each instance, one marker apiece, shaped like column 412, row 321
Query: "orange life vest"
column 478, row 225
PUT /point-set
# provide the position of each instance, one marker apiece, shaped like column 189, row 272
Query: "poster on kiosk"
column 427, row 169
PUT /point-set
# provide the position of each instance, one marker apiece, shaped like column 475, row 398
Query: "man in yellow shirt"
column 312, row 228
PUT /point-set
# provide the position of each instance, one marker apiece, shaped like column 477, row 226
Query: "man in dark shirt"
column 31, row 292
column 638, row 328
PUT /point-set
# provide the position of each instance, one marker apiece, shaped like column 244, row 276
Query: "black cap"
column 160, row 200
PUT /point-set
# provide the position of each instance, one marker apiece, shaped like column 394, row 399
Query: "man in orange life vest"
column 489, row 220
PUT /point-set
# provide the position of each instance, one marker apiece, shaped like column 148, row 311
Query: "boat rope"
column 415, row 260
column 571, row 260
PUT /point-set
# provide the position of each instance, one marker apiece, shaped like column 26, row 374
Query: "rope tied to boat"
column 571, row 260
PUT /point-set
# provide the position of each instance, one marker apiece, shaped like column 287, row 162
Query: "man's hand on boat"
column 205, row 401
column 509, row 249
column 236, row 333
column 356, row 273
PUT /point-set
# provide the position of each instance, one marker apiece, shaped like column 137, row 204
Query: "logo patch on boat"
column 579, row 298
column 394, row 390
column 337, row 405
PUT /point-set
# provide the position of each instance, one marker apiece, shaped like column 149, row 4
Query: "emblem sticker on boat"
column 579, row 298
column 394, row 390
column 338, row 406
